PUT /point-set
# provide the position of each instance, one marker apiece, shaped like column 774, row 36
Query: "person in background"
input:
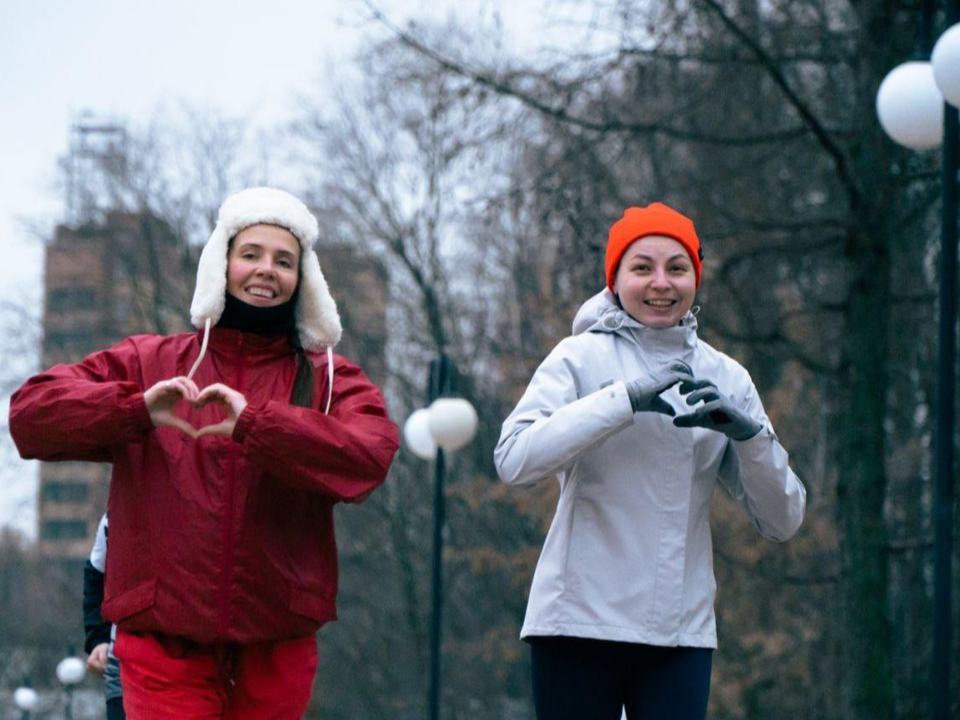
column 638, row 419
column 230, row 447
column 99, row 633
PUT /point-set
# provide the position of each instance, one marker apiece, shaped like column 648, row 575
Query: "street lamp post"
column 26, row 699
column 919, row 113
column 70, row 671
column 449, row 424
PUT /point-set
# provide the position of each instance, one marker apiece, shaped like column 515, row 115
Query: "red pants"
column 167, row 677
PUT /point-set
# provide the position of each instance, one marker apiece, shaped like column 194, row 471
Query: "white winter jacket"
column 629, row 555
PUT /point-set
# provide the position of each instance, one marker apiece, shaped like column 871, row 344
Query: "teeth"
column 261, row 292
column 659, row 303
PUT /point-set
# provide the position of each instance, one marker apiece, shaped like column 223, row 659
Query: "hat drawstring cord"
column 330, row 377
column 203, row 348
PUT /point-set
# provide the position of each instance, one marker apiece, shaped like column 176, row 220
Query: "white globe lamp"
column 26, row 699
column 910, row 106
column 416, row 432
column 71, row 670
column 946, row 65
column 453, row 422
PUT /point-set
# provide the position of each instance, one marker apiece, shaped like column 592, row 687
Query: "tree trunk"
column 862, row 487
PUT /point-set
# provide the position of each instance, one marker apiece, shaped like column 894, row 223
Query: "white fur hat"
column 318, row 321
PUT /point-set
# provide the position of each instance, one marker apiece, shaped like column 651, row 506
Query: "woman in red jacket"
column 230, row 447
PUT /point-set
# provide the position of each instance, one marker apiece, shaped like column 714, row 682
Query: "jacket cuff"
column 137, row 406
column 619, row 396
column 96, row 635
column 758, row 444
column 242, row 427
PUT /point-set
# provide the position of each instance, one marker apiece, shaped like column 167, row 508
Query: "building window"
column 81, row 341
column 65, row 492
column 63, row 530
column 64, row 299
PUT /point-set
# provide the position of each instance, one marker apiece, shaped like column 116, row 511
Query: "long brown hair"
column 302, row 393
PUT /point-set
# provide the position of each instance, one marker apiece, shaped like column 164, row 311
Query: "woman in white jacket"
column 637, row 418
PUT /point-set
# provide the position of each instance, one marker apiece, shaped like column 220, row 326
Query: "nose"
column 266, row 267
column 660, row 279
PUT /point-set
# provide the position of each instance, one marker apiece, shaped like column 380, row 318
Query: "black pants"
column 582, row 679
column 115, row 709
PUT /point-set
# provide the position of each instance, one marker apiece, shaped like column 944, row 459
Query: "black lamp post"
column 946, row 420
column 441, row 384
column 70, row 671
column 448, row 424
column 26, row 699
column 897, row 104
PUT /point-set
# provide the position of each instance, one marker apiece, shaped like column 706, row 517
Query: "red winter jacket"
column 217, row 539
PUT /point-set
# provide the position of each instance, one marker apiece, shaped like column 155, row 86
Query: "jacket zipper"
column 228, row 548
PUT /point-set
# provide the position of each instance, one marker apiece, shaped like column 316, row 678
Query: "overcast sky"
column 122, row 59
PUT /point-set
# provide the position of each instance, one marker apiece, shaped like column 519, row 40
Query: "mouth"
column 660, row 304
column 261, row 292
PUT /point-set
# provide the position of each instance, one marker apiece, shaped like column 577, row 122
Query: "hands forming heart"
column 162, row 398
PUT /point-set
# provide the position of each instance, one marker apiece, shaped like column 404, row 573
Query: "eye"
column 285, row 263
column 642, row 267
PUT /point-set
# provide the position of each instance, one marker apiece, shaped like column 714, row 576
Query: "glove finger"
column 690, row 384
column 695, row 419
column 679, row 366
column 661, row 406
column 707, row 394
column 703, row 415
column 665, row 383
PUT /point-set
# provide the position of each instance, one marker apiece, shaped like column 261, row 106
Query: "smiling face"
column 263, row 265
column 656, row 282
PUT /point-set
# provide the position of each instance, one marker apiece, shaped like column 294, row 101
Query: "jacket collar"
column 602, row 313
column 229, row 341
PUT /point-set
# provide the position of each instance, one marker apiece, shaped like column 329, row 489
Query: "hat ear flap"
column 318, row 322
column 209, row 297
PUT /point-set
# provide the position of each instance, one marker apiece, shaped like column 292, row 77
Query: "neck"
column 263, row 321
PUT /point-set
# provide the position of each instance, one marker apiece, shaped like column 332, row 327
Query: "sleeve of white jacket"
column 552, row 426
column 756, row 473
column 98, row 553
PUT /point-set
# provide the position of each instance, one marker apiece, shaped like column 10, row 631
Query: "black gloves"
column 645, row 392
column 717, row 412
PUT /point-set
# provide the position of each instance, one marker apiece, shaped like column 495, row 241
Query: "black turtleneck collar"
column 263, row 321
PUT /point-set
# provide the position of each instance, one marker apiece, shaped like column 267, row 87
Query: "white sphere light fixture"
column 910, row 106
column 26, row 699
column 416, row 432
column 946, row 65
column 71, row 671
column 453, row 422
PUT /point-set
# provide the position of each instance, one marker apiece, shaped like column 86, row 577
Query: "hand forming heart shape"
column 164, row 396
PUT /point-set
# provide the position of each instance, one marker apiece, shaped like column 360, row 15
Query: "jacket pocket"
column 130, row 602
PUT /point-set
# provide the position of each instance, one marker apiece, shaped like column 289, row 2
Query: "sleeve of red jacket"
column 345, row 454
column 77, row 412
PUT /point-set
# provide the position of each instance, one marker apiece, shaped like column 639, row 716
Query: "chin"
column 658, row 322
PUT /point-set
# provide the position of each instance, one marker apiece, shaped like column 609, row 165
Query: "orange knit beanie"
column 654, row 219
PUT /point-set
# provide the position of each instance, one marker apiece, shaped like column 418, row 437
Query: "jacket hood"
column 602, row 313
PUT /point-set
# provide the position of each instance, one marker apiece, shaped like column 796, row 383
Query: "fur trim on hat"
column 318, row 321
